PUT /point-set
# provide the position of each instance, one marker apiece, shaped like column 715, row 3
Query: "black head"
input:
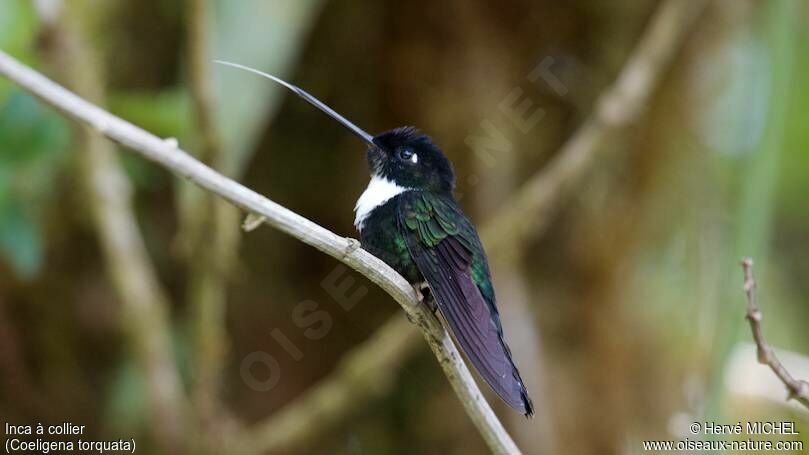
column 410, row 159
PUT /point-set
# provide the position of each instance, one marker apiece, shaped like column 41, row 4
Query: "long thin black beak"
column 311, row 99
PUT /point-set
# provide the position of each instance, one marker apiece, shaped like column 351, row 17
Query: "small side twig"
column 798, row 389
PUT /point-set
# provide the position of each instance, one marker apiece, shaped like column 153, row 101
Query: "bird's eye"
column 407, row 154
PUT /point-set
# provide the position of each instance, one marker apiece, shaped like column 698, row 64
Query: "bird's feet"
column 423, row 297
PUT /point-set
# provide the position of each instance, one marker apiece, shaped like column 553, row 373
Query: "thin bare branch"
column 797, row 389
column 109, row 193
column 618, row 106
column 181, row 163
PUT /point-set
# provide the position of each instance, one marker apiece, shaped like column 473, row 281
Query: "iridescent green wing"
column 446, row 249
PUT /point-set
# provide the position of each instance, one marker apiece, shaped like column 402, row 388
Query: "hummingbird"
column 409, row 218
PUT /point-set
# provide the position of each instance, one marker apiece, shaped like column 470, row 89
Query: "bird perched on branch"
column 408, row 217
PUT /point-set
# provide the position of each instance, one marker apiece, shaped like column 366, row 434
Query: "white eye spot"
column 414, row 159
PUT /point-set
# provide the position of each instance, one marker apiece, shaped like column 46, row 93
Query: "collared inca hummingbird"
column 409, row 218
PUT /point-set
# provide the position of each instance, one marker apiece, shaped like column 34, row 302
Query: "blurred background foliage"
column 634, row 290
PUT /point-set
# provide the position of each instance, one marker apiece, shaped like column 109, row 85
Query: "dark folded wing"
column 446, row 249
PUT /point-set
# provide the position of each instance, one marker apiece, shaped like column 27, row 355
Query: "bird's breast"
column 382, row 237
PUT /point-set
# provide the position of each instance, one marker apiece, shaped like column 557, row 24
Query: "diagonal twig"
column 797, row 389
column 169, row 156
column 529, row 210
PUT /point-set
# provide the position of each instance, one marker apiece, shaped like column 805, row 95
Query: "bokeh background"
column 135, row 305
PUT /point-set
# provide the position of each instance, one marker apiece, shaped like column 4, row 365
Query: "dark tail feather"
column 476, row 326
column 472, row 319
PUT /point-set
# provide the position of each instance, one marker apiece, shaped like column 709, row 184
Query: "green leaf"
column 20, row 240
column 164, row 113
column 32, row 139
column 28, row 131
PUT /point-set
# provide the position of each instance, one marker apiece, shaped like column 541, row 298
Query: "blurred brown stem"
column 798, row 389
column 530, row 209
column 168, row 155
column 360, row 377
column 200, row 81
column 209, row 232
column 109, row 195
